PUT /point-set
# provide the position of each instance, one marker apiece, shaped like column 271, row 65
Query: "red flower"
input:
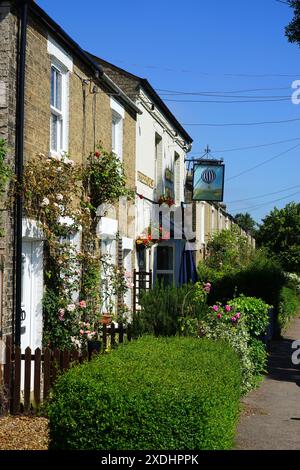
column 97, row 154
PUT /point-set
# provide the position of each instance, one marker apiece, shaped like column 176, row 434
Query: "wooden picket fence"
column 43, row 367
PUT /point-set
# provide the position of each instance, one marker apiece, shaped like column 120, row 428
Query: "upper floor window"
column 58, row 105
column 61, row 66
column 118, row 115
column 117, row 131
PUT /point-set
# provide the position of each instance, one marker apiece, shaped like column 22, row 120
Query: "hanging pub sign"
column 208, row 180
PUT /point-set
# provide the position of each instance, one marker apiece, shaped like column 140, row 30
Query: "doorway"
column 32, row 295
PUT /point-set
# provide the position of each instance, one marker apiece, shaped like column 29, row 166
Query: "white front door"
column 32, row 295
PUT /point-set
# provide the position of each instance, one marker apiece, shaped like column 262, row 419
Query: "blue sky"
column 202, row 46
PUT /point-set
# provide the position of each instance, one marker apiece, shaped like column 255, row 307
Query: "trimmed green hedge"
column 154, row 393
column 288, row 306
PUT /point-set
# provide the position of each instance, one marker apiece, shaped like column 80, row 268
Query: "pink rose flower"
column 207, row 289
column 215, row 308
column 233, row 319
column 82, row 304
column 227, row 308
column 208, row 284
column 219, row 315
column 238, row 315
column 81, row 332
column 61, row 314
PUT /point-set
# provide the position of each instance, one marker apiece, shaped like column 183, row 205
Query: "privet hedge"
column 154, row 393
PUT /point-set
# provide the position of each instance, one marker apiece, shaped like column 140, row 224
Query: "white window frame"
column 166, row 271
column 63, row 62
column 63, row 130
column 117, row 134
column 118, row 116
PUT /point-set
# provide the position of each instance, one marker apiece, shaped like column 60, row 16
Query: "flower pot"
column 106, row 319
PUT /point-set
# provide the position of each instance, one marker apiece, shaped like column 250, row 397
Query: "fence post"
column 8, row 372
column 27, row 381
column 65, row 359
column 134, row 290
column 121, row 333
column 104, row 337
column 37, row 377
column 75, row 356
column 129, row 332
column 16, row 381
column 112, row 335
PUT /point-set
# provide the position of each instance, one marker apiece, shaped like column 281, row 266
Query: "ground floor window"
column 165, row 264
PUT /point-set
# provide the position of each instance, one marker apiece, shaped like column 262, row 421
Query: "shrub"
column 262, row 278
column 259, row 356
column 241, row 323
column 162, row 309
column 255, row 314
column 238, row 338
column 228, row 250
column 154, row 393
column 288, row 306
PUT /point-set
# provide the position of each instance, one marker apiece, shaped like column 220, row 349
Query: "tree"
column 292, row 31
column 228, row 251
column 280, row 233
column 246, row 222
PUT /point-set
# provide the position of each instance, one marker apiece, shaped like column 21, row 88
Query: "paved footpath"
column 272, row 412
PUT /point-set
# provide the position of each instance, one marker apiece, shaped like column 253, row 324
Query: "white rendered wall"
column 150, row 123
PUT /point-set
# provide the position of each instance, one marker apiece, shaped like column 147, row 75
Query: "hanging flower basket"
column 152, row 235
column 166, row 200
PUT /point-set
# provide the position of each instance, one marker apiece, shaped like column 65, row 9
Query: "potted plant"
column 106, row 319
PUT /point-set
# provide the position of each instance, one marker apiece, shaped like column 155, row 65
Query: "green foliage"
column 280, row 233
column 104, row 177
column 63, row 196
column 5, row 174
column 255, row 313
column 240, row 323
column 288, row 306
column 238, row 337
column 246, row 222
column 162, row 309
column 292, row 31
column 262, row 277
column 5, row 170
column 228, row 251
column 258, row 356
column 57, row 334
column 154, row 393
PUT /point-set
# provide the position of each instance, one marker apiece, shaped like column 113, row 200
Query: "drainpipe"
column 19, row 166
